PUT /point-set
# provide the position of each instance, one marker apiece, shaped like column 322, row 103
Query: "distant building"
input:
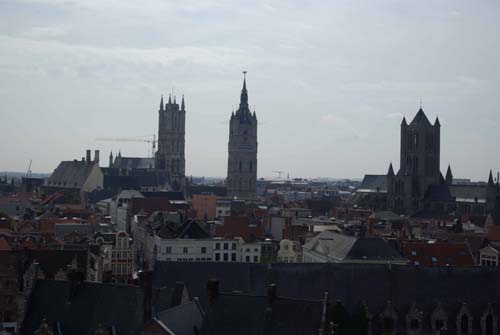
column 242, row 149
column 289, row 252
column 76, row 178
column 205, row 206
column 171, row 142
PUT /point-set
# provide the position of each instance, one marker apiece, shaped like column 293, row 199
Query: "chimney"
column 271, row 293
column 88, row 156
column 96, row 156
column 212, row 291
column 75, row 278
column 146, row 283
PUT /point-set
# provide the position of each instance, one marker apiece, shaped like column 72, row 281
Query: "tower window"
column 251, row 166
column 241, row 166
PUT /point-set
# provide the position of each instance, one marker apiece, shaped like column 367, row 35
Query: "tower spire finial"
column 244, row 93
column 182, row 103
column 161, row 102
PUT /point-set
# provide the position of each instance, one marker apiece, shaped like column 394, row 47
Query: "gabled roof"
column 251, row 315
column 71, row 174
column 182, row 319
column 438, row 253
column 420, row 119
column 343, row 248
column 373, row 183
column 80, row 307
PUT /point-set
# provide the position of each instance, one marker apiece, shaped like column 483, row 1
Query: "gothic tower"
column 242, row 147
column 169, row 157
column 419, row 164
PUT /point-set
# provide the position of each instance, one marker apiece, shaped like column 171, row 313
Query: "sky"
column 329, row 80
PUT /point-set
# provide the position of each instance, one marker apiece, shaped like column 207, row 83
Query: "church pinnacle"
column 244, row 93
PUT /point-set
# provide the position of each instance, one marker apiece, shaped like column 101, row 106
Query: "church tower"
column 419, row 164
column 242, row 148
column 169, row 157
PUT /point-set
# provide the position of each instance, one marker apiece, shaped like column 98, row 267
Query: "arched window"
column 488, row 324
column 464, row 324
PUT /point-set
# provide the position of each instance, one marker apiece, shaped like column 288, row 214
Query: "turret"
column 449, row 176
column 111, row 159
column 490, row 179
column 183, row 107
column 390, row 172
column 161, row 103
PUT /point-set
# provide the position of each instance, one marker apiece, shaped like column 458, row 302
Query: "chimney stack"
column 212, row 291
column 96, row 156
column 88, row 156
column 271, row 293
column 146, row 282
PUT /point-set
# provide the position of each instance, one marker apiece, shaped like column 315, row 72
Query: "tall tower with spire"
column 242, row 149
column 419, row 164
column 169, row 157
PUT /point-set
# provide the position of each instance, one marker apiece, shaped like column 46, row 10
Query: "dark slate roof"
column 167, row 297
column 80, row 309
column 375, row 285
column 439, row 193
column 134, row 163
column 191, row 229
column 469, row 191
column 251, row 315
column 344, row 248
column 420, row 119
column 373, row 183
column 71, row 174
column 182, row 319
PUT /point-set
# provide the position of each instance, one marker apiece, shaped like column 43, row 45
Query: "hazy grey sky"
column 330, row 80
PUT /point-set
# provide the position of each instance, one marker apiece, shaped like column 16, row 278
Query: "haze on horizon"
column 330, row 81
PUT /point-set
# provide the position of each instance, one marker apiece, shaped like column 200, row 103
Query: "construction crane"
column 28, row 173
column 279, row 173
column 132, row 139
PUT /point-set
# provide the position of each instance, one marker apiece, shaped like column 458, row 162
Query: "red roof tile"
column 437, row 253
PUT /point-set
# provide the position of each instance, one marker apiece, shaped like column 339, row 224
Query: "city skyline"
column 321, row 97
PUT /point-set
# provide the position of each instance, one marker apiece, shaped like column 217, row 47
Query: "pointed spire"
column 175, row 102
column 449, row 176
column 404, row 123
column 244, row 93
column 420, row 118
column 490, row 178
column 391, row 170
column 169, row 99
column 183, row 106
column 161, row 103
column 437, row 123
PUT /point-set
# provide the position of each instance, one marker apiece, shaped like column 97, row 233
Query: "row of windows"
column 225, row 246
column 121, row 269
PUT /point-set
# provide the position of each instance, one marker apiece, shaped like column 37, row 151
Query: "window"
column 226, row 257
column 184, row 250
column 217, row 257
column 234, row 246
column 434, row 259
column 226, row 246
column 414, row 324
column 168, row 250
column 247, row 259
column 489, row 324
column 217, row 246
column 388, row 324
column 256, row 259
column 439, row 324
column 414, row 253
column 241, row 166
column 233, row 257
column 203, row 250
column 464, row 324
